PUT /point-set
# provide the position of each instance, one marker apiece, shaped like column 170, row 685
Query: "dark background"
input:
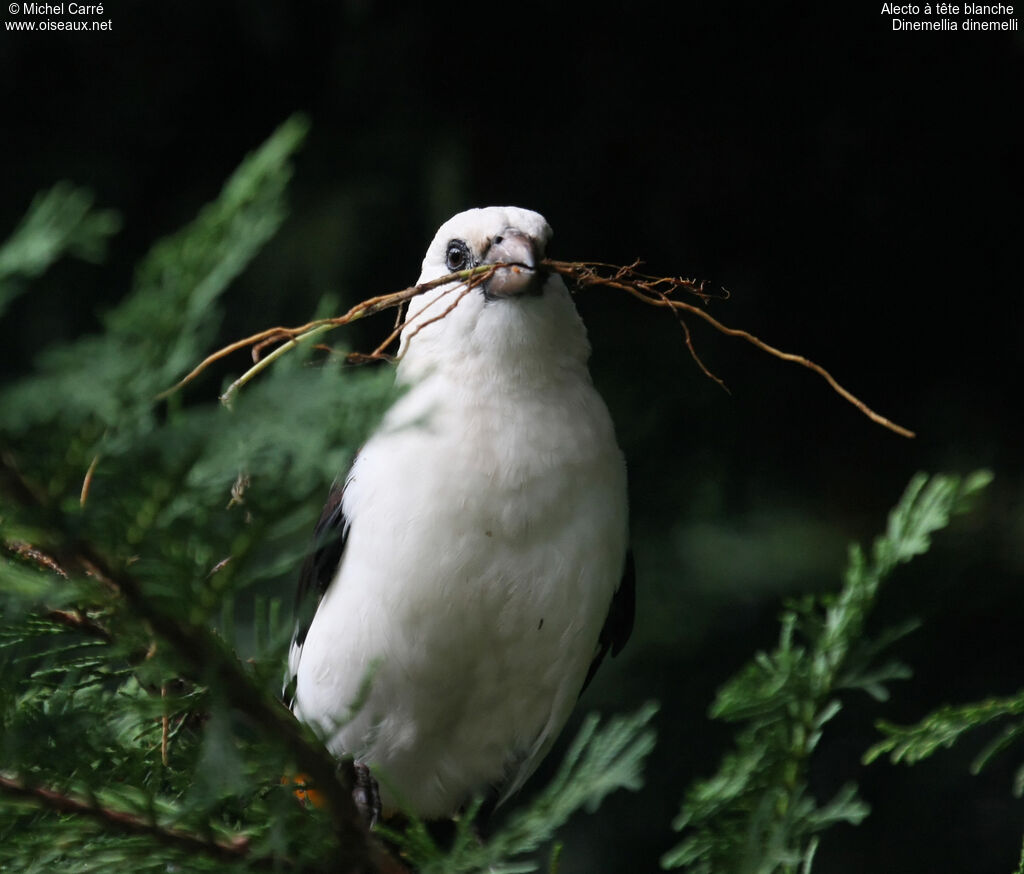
column 857, row 190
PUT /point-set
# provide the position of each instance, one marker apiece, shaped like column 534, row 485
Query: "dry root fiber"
column 657, row 291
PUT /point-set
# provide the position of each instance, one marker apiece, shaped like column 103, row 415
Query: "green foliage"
column 599, row 762
column 947, row 725
column 944, row 727
column 163, row 325
column 60, row 221
column 135, row 531
column 757, row 814
column 114, row 691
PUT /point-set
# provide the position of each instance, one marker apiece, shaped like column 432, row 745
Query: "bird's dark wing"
column 619, row 623
column 321, row 564
column 317, row 572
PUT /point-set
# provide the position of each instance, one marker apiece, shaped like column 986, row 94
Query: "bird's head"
column 520, row 316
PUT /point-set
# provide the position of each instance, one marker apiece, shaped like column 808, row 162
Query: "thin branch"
column 361, row 310
column 207, row 656
column 473, row 283
column 471, row 278
column 165, row 731
column 689, row 344
column 401, row 322
column 263, row 363
column 87, row 481
column 80, row 622
column 73, row 619
column 35, row 555
column 131, row 824
column 653, row 290
column 656, row 291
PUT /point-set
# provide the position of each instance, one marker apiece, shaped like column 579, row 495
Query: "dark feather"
column 619, row 623
column 321, row 564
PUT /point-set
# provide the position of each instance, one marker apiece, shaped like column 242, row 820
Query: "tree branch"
column 652, row 290
column 207, row 656
column 131, row 824
column 657, row 291
column 294, row 336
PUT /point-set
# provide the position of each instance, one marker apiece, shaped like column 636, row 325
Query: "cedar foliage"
column 121, row 691
column 757, row 814
column 140, row 663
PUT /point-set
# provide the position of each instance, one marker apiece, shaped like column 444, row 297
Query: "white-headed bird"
column 472, row 571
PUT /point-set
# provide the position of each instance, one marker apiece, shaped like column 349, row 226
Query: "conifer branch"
column 131, row 824
column 758, row 812
column 944, row 727
column 78, row 621
column 207, row 656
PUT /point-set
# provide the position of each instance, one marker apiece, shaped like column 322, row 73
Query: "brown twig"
column 689, row 344
column 656, row 291
column 473, row 283
column 653, row 290
column 165, row 730
column 87, row 481
column 73, row 619
column 132, row 824
column 36, row 556
column 80, row 622
column 292, row 336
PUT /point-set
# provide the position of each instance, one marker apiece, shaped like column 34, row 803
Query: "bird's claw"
column 366, row 794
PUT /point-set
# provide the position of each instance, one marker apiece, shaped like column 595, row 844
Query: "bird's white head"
column 519, row 318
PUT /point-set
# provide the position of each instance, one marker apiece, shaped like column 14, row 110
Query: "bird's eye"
column 457, row 256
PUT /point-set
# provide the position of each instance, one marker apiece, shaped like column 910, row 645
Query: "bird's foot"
column 366, row 794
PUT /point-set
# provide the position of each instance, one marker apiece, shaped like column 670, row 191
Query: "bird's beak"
column 523, row 277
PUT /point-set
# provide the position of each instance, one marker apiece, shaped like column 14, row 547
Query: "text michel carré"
column 61, row 9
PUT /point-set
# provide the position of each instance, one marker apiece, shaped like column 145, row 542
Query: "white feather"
column 487, row 536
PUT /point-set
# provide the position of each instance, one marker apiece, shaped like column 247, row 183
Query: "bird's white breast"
column 488, row 529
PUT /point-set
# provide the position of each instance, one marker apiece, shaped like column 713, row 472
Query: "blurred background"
column 857, row 190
